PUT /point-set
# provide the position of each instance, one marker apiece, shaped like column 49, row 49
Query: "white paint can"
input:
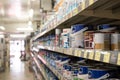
column 115, row 41
column 102, row 41
column 77, row 39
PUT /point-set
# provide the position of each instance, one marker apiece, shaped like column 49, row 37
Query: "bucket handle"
column 81, row 70
column 104, row 76
column 89, row 74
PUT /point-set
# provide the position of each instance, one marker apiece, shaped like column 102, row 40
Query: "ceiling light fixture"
column 1, row 36
column 25, row 29
column 31, row 12
column 2, row 11
column 30, row 23
column 2, row 27
column 18, row 35
column 32, row 0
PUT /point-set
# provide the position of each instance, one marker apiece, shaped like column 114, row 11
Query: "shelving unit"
column 111, row 57
column 39, row 66
column 60, row 77
column 93, row 12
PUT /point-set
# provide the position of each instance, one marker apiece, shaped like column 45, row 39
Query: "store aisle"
column 18, row 71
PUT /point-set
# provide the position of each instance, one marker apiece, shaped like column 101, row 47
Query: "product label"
column 97, row 56
column 79, row 53
column 76, row 52
column 85, row 54
column 91, row 55
column 83, row 5
column 91, row 2
column 106, row 57
column 75, row 11
column 118, row 60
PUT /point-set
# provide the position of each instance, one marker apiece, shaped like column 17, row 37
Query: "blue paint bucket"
column 74, row 71
column 67, row 67
column 84, row 69
column 77, row 27
column 104, row 26
column 99, row 73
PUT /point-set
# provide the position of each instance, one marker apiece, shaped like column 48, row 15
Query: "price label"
column 75, row 11
column 97, row 56
column 83, row 5
column 61, row 50
column 76, row 53
column 85, row 54
column 118, row 60
column 65, row 51
column 106, row 57
column 91, row 55
column 70, row 51
column 91, row 2
column 79, row 53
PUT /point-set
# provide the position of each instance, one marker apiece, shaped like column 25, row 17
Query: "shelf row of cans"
column 66, row 8
column 106, row 37
column 73, row 68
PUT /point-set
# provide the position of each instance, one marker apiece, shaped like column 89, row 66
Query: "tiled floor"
column 18, row 71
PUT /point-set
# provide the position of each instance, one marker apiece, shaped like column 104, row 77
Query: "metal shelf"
column 112, row 57
column 39, row 67
column 89, row 12
column 60, row 77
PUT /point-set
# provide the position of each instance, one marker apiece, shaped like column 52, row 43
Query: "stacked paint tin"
column 65, row 38
column 57, row 37
column 102, row 41
column 79, row 69
column 77, row 36
column 106, row 39
column 88, row 39
column 115, row 41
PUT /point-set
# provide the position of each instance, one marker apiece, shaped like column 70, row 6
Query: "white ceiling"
column 15, row 14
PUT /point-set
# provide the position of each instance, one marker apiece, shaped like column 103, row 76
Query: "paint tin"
column 99, row 73
column 77, row 36
column 84, row 69
column 83, row 72
column 102, row 41
column 65, row 38
column 57, row 37
column 115, row 41
column 88, row 40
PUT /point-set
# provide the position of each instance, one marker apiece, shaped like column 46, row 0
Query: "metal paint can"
column 84, row 69
column 77, row 36
column 115, row 41
column 102, row 41
column 99, row 73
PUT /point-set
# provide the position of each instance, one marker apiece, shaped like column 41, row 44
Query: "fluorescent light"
column 2, row 27
column 31, row 12
column 1, row 36
column 32, row 0
column 2, row 11
column 30, row 23
column 18, row 35
column 41, row 10
column 25, row 29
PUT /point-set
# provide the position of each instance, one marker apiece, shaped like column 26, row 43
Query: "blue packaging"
column 84, row 69
column 99, row 73
column 77, row 27
column 104, row 26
